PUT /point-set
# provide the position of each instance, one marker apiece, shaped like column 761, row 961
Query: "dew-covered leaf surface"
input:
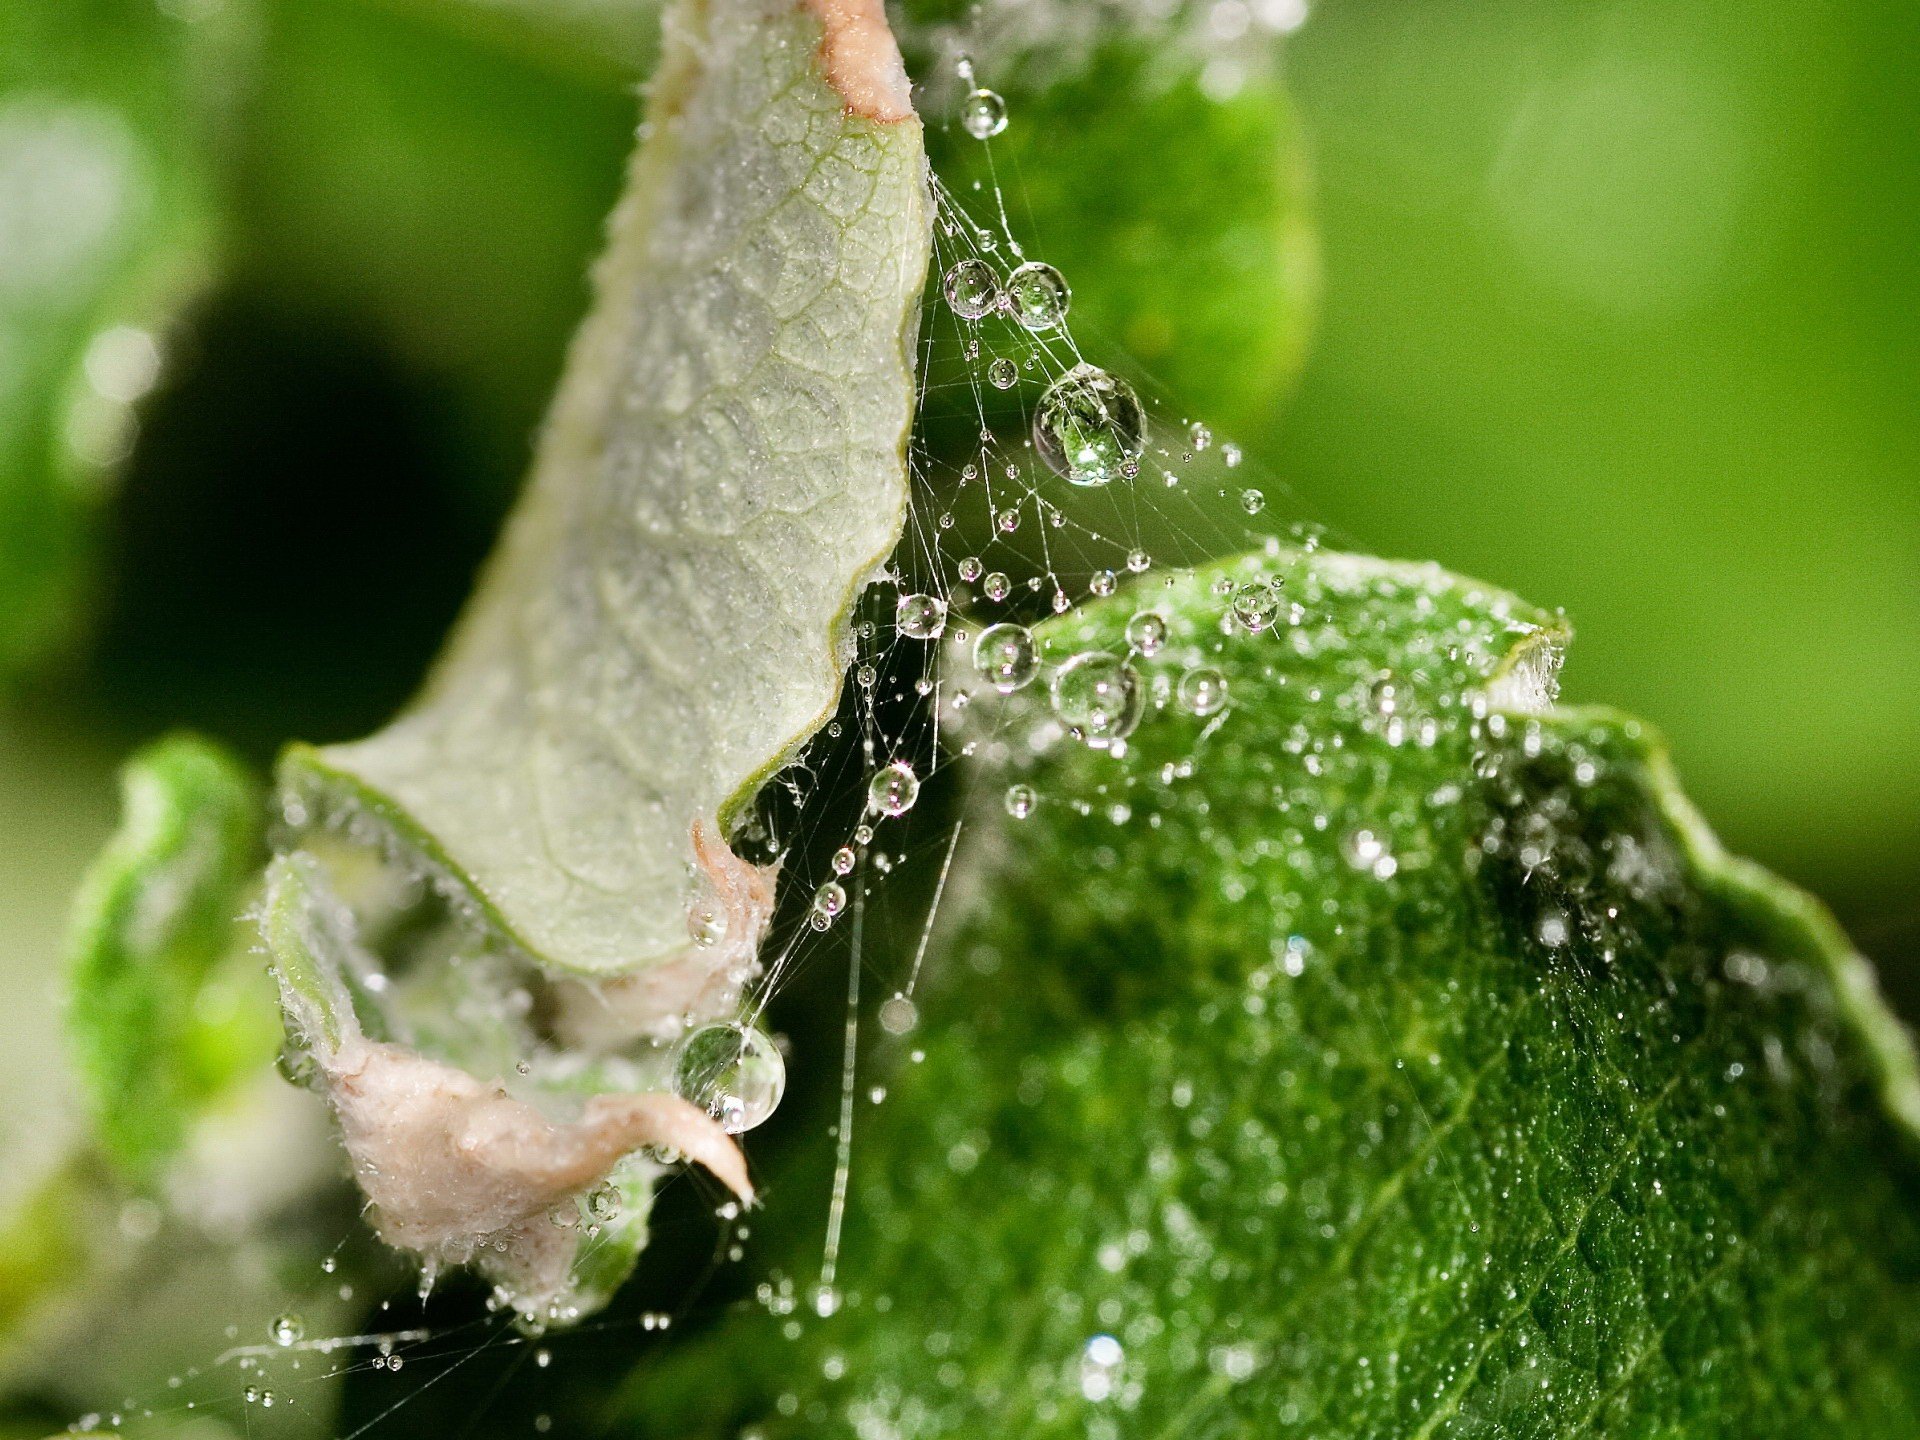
column 106, row 230
column 1385, row 1054
column 665, row 621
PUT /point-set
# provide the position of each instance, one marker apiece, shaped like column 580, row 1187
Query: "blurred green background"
column 1618, row 309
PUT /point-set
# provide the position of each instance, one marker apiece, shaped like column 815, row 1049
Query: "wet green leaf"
column 1386, row 1053
column 156, row 914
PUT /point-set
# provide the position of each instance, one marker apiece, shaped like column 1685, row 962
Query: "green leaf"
column 495, row 913
column 1388, row 1053
column 108, row 109
column 155, row 915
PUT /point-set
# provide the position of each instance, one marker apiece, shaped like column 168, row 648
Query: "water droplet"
column 983, row 114
column 1008, row 521
column 898, row 1015
column 1254, row 606
column 828, row 901
column 1138, row 561
column 1003, row 373
column 1020, row 801
column 603, row 1203
column 971, row 568
column 893, row 789
column 866, row 677
column 1006, row 656
column 1102, row 583
column 1088, row 425
column 920, row 617
column 1368, row 851
column 1199, row 436
column 843, row 859
column 706, row 923
column 1231, row 454
column 1203, row 691
column 1098, row 698
column 1037, row 296
column 1147, row 631
column 825, row 1300
column 1100, row 1364
column 997, row 586
column 972, row 289
column 1252, row 501
column 734, row 1072
column 287, row 1329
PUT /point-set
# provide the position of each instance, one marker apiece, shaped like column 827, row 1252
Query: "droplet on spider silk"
column 1088, row 426
column 997, row 586
column 1102, row 583
column 1098, row 698
column 1203, row 691
column 1020, row 801
column 920, row 617
column 898, row 1015
column 1147, row 631
column 983, row 114
column 971, row 568
column 1199, row 436
column 1003, row 373
column 844, row 860
column 1006, row 657
column 893, row 789
column 1252, row 501
column 828, row 901
column 972, row 289
column 1037, row 296
column 287, row 1329
column 1254, row 606
column 734, row 1072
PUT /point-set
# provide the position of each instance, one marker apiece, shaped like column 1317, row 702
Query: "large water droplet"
column 893, row 789
column 1037, row 295
column 1254, row 605
column 972, row 289
column 1005, row 655
column 1003, row 373
column 1089, row 426
column 287, row 1329
column 983, row 114
column 734, row 1072
column 898, row 1015
column 1097, row 696
column 920, row 617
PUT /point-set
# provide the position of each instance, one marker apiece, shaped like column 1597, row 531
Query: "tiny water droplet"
column 843, row 859
column 1098, row 698
column 983, row 114
column 1252, row 501
column 1006, row 656
column 1231, row 454
column 1037, row 295
column 734, row 1072
column 1003, row 374
column 1102, row 583
column 1199, row 436
column 898, row 1015
column 893, row 789
column 603, row 1203
column 971, row 568
column 1021, row 800
column 997, row 586
column 287, row 1329
column 1088, row 425
column 1147, row 631
column 1008, row 521
column 1138, row 561
column 920, row 617
column 828, row 901
column 1203, row 691
column 972, row 289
